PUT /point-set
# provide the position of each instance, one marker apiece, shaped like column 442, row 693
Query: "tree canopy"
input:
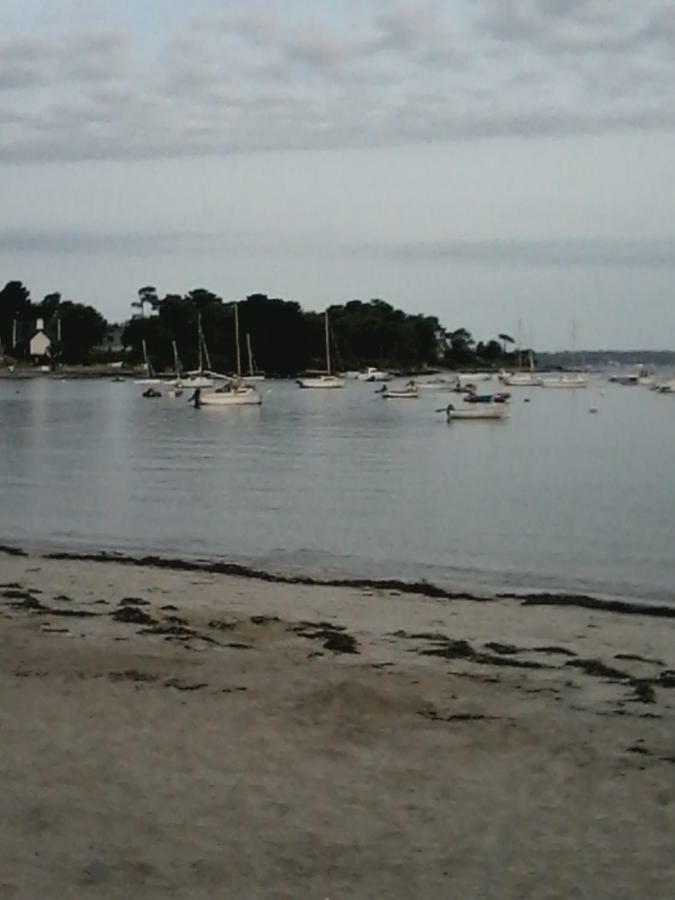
column 284, row 339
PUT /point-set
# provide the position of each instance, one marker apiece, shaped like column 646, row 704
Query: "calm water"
column 344, row 482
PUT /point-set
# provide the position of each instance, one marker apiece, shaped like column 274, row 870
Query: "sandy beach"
column 186, row 733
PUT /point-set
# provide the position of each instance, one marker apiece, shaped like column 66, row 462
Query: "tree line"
column 284, row 338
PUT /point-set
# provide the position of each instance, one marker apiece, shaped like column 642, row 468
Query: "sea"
column 343, row 483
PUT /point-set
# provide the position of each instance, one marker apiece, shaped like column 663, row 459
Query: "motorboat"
column 406, row 392
column 437, row 384
column 476, row 412
column 371, row 374
column 324, row 380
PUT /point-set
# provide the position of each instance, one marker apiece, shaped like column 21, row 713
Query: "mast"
column 145, row 358
column 328, row 364
column 175, row 359
column 236, row 338
column 200, row 365
column 250, row 354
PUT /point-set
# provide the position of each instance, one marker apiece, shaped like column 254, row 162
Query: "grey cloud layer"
column 266, row 79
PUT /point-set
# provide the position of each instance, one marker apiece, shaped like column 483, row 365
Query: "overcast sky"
column 487, row 161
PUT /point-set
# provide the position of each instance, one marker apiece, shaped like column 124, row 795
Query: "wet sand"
column 187, row 733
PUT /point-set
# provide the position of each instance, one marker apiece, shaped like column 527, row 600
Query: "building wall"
column 39, row 344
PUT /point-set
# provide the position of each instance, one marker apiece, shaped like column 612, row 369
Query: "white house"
column 40, row 344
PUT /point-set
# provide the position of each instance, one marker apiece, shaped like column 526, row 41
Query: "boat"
column 252, row 376
column 372, row 374
column 666, row 387
column 407, row 392
column 202, row 377
column 149, row 374
column 464, row 378
column 528, row 378
column 499, row 397
column 234, row 392
column 325, row 380
column 437, row 384
column 573, row 380
column 475, row 412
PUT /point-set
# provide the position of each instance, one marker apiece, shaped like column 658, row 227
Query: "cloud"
column 616, row 253
column 283, row 76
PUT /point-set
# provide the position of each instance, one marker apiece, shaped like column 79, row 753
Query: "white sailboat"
column 565, row 380
column 372, row 374
column 326, row 380
column 522, row 378
column 252, row 376
column 149, row 374
column 234, row 392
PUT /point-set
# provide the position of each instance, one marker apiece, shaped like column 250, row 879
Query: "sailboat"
column 520, row 378
column 252, row 374
column 201, row 377
column 567, row 379
column 327, row 379
column 149, row 374
column 234, row 392
column 176, row 391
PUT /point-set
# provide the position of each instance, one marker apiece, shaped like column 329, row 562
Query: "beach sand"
column 188, row 734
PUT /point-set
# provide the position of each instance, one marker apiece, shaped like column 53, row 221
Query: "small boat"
column 234, row 394
column 475, row 412
column 465, row 378
column 407, row 392
column 500, row 397
column 151, row 392
column 326, row 380
column 371, row 374
column 253, row 376
column 199, row 378
column 437, row 384
column 666, row 387
column 565, row 381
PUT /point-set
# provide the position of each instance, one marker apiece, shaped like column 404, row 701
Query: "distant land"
column 603, row 359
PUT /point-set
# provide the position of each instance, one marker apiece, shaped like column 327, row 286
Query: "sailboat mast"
column 236, row 338
column 200, row 365
column 145, row 357
column 328, row 363
column 175, row 359
column 250, row 354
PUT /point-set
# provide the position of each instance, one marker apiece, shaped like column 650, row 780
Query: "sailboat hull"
column 323, row 382
column 232, row 398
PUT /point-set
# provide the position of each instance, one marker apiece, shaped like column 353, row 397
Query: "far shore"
column 175, row 728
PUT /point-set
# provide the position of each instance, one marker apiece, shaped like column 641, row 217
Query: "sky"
column 506, row 165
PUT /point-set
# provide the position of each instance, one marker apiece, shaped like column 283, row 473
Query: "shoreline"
column 527, row 598
column 175, row 732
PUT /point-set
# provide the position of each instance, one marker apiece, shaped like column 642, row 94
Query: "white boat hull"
column 564, row 382
column 400, row 395
column 231, row 398
column 522, row 380
column 322, row 382
column 477, row 413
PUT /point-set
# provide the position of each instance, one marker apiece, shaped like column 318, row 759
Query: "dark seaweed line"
column 583, row 600
column 421, row 588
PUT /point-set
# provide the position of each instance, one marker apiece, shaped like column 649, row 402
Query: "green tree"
column 15, row 305
column 82, row 329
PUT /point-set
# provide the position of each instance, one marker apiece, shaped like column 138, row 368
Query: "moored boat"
column 476, row 412
column 324, row 380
